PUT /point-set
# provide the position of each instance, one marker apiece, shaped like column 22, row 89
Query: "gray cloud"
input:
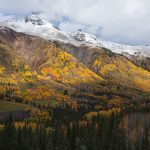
column 125, row 21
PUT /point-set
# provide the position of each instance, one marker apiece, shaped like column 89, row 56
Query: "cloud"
column 124, row 21
column 71, row 26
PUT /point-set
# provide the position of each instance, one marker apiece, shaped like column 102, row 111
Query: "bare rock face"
column 139, row 60
column 24, row 45
column 34, row 19
column 80, row 37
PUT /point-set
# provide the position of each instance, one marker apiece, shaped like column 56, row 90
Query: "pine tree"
column 9, row 135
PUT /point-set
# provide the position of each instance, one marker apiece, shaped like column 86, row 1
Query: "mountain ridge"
column 36, row 25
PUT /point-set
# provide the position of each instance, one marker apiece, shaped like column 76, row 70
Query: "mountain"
column 34, row 24
column 39, row 62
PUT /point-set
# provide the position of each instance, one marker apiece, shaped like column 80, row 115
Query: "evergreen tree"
column 9, row 135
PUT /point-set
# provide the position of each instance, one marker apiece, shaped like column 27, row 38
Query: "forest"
column 64, row 128
column 56, row 96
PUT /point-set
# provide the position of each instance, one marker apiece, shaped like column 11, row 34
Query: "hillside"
column 113, row 67
column 33, row 69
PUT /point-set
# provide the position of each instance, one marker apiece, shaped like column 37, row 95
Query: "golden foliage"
column 105, row 113
column 63, row 67
column 2, row 69
column 121, row 70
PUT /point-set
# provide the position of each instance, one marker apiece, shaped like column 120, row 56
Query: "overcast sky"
column 123, row 21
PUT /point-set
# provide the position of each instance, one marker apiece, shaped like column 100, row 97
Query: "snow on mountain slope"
column 143, row 51
column 36, row 25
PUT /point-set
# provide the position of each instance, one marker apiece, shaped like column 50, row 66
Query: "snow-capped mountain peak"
column 79, row 36
column 34, row 19
column 33, row 24
column 84, row 37
column 36, row 25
